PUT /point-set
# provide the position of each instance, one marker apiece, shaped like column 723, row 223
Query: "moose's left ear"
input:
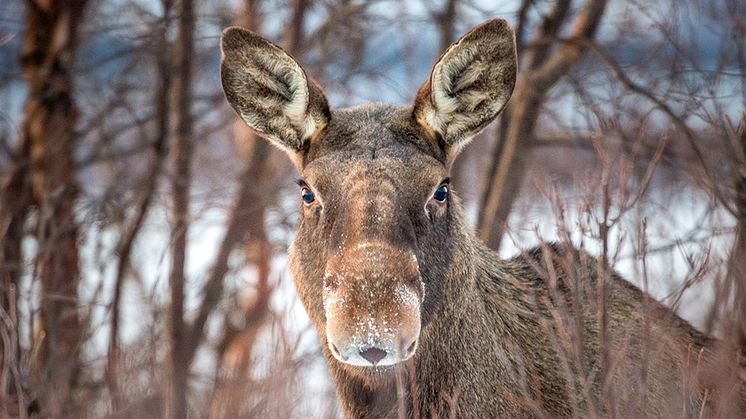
column 470, row 84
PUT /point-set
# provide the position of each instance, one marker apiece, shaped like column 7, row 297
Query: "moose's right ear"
column 270, row 90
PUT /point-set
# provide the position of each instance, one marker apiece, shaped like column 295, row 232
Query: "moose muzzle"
column 372, row 297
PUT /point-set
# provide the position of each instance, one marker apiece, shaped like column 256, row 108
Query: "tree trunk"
column 49, row 45
column 509, row 164
column 540, row 71
column 176, row 399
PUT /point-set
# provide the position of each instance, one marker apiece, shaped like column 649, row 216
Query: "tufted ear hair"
column 469, row 85
column 270, row 90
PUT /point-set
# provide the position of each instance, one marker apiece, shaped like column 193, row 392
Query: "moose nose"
column 373, row 355
column 372, row 295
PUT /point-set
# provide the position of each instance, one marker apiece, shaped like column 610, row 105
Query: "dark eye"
column 307, row 196
column 441, row 193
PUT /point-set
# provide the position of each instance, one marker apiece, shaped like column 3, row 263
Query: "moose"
column 415, row 316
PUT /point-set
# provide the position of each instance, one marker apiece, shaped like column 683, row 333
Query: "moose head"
column 374, row 243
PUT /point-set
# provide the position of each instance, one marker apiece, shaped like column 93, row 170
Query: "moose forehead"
column 374, row 141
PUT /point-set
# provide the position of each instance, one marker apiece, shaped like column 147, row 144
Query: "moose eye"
column 441, row 193
column 307, row 196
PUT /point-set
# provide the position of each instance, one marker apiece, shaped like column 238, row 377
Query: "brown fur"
column 497, row 338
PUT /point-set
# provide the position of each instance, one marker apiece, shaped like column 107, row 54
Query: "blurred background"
column 144, row 228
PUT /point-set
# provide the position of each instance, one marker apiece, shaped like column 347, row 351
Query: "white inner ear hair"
column 296, row 108
column 460, row 102
column 451, row 74
column 295, row 89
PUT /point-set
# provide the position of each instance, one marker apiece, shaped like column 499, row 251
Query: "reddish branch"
column 247, row 213
column 247, row 210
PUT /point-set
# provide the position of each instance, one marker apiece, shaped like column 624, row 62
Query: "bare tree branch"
column 678, row 121
column 124, row 248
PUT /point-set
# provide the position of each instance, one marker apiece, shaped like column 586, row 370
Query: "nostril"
column 335, row 350
column 373, row 355
column 411, row 348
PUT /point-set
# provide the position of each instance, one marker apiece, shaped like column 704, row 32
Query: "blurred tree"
column 542, row 64
column 182, row 149
column 146, row 198
column 43, row 179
